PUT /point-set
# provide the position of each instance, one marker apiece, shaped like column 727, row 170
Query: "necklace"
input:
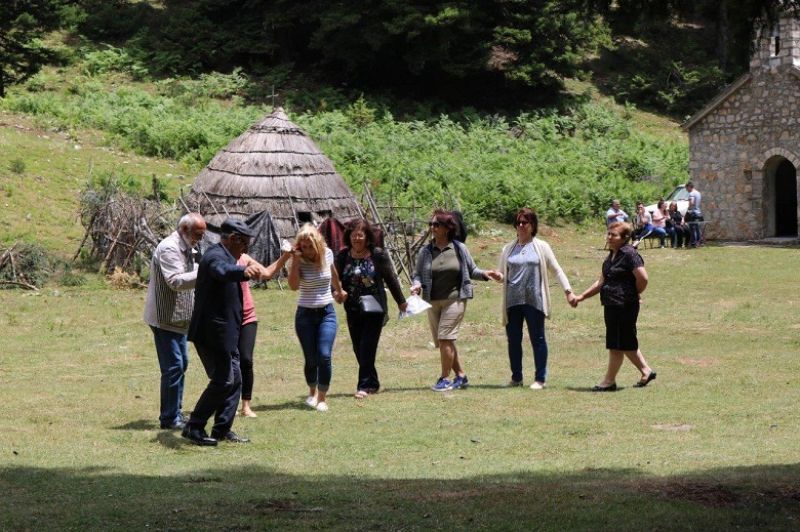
column 523, row 248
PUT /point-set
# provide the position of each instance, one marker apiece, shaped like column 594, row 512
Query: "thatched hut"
column 275, row 167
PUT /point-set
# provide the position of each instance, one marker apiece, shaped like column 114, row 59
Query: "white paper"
column 415, row 305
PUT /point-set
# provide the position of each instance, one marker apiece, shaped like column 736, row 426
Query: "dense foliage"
column 23, row 23
column 496, row 55
column 568, row 163
column 429, row 46
column 675, row 55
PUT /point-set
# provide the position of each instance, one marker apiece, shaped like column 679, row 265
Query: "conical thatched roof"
column 272, row 166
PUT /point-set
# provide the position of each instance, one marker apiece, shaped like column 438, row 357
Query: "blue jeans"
column 316, row 330
column 173, row 359
column 535, row 320
column 661, row 233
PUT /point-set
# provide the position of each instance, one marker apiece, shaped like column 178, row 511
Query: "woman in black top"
column 681, row 231
column 363, row 269
column 622, row 281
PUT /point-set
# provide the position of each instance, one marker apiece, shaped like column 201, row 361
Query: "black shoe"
column 610, row 388
column 179, row 424
column 644, row 382
column 230, row 437
column 198, row 436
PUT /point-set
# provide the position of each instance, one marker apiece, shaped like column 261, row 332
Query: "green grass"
column 711, row 444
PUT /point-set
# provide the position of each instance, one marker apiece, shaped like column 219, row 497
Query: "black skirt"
column 621, row 326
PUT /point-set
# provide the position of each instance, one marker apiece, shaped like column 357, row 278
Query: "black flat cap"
column 231, row 226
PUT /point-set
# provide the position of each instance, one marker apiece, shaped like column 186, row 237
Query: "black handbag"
column 370, row 305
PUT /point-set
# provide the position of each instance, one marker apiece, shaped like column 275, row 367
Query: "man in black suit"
column 214, row 329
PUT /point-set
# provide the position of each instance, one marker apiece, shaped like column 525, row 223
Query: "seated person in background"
column 659, row 220
column 680, row 231
column 643, row 224
column 615, row 213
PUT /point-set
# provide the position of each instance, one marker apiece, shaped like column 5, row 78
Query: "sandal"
column 361, row 394
column 644, row 381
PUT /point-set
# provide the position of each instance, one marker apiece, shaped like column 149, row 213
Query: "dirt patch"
column 719, row 495
column 284, row 505
column 674, row 427
column 713, row 495
column 698, row 362
column 467, row 494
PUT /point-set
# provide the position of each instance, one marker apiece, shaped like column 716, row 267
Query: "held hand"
column 264, row 276
column 252, row 271
column 494, row 275
column 572, row 299
column 402, row 307
column 416, row 289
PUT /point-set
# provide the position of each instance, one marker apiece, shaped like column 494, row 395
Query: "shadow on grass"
column 141, row 424
column 590, row 389
column 253, row 498
column 288, row 405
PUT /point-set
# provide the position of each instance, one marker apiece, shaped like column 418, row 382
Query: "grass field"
column 711, row 444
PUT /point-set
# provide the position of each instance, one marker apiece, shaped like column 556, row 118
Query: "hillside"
column 42, row 172
column 67, row 128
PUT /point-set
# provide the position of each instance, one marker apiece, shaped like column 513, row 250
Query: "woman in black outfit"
column 622, row 281
column 681, row 232
column 363, row 269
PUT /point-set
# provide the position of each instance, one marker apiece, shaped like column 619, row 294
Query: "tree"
column 22, row 25
column 735, row 22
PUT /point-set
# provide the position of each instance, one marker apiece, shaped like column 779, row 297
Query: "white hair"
column 189, row 220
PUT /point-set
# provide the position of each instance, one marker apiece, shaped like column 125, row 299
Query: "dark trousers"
column 247, row 344
column 221, row 396
column 680, row 236
column 365, row 333
column 535, row 321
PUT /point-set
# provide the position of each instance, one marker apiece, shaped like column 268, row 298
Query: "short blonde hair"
column 310, row 233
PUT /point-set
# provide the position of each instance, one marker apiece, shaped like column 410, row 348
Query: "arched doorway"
column 785, row 199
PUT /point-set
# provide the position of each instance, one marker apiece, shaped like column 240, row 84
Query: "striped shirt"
column 315, row 284
column 170, row 293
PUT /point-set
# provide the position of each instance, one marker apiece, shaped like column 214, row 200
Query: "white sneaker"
column 322, row 407
column 311, row 401
column 538, row 385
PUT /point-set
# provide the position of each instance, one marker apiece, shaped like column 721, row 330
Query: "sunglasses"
column 521, row 222
column 434, row 224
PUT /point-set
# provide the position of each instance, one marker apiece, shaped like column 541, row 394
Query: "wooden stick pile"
column 123, row 231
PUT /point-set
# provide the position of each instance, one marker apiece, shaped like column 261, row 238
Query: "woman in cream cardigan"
column 526, row 294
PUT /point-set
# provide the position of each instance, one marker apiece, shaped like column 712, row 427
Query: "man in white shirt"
column 168, row 311
column 694, row 214
column 615, row 213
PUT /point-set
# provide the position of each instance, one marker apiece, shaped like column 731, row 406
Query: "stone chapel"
column 744, row 146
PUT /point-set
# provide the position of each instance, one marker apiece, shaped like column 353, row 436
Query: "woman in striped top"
column 312, row 272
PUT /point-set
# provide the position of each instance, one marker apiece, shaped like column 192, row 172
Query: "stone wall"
column 730, row 146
